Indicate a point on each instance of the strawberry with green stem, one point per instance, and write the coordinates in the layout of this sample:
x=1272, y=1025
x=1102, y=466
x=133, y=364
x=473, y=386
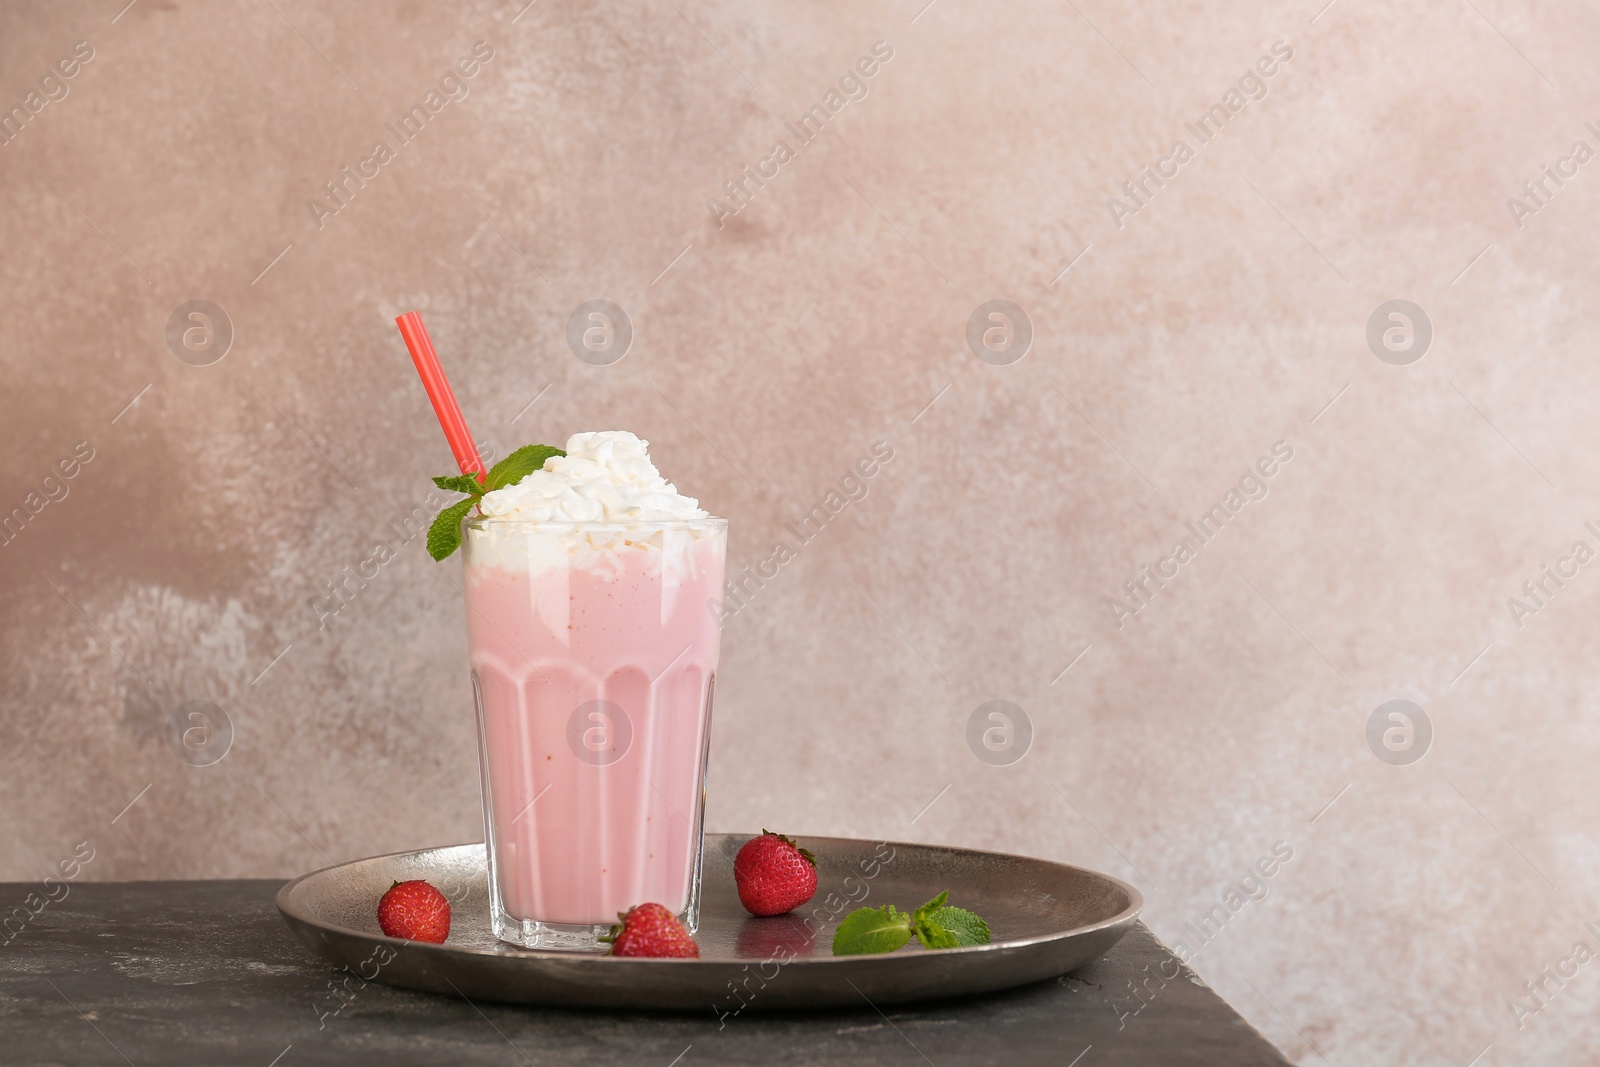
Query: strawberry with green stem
x=650, y=930
x=774, y=875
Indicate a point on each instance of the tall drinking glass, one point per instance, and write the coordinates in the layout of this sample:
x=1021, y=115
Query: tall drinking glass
x=594, y=652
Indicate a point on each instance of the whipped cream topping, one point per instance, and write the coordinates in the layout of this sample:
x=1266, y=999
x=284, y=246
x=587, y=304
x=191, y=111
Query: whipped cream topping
x=604, y=477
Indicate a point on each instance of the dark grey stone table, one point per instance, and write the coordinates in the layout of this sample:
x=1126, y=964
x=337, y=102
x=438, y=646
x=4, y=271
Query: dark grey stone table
x=148, y=973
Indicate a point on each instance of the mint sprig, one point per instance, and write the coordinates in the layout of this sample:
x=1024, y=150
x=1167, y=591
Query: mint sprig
x=460, y=483
x=866, y=931
x=517, y=466
x=869, y=931
x=964, y=926
x=444, y=536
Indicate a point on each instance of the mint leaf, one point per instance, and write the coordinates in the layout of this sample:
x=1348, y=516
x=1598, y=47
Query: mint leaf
x=867, y=931
x=460, y=483
x=930, y=907
x=961, y=925
x=939, y=926
x=521, y=463
x=932, y=935
x=444, y=536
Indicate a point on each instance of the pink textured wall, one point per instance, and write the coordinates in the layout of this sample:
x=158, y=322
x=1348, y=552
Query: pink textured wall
x=1178, y=336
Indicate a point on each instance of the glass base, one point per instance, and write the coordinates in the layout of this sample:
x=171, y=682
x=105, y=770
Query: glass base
x=571, y=937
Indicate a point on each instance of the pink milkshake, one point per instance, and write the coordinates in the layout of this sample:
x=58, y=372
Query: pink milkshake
x=593, y=658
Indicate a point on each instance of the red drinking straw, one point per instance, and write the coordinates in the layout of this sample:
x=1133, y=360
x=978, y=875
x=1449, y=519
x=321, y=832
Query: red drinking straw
x=438, y=387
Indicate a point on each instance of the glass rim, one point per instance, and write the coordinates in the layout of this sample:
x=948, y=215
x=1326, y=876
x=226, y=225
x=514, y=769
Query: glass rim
x=566, y=525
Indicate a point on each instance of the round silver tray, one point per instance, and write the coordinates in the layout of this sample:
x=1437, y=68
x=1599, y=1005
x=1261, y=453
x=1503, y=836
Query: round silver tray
x=1046, y=918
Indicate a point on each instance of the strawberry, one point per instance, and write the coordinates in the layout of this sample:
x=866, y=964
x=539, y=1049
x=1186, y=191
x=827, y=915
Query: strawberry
x=774, y=874
x=651, y=930
x=415, y=911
